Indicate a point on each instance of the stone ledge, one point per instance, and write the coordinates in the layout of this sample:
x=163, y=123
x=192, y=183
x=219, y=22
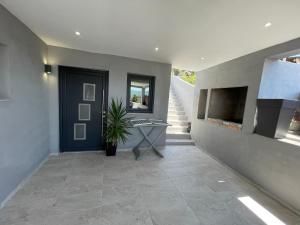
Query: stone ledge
x=226, y=124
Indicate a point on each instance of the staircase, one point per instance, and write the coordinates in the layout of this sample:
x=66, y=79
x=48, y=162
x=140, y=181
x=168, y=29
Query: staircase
x=177, y=133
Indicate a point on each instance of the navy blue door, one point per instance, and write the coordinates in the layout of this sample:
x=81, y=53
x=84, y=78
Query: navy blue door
x=83, y=103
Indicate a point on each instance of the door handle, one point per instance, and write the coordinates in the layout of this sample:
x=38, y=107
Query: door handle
x=103, y=112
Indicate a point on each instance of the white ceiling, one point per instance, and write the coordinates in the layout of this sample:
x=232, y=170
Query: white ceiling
x=184, y=30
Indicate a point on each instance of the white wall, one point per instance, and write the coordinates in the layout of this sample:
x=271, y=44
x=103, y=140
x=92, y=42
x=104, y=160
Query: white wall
x=271, y=164
x=118, y=68
x=185, y=92
x=280, y=80
x=24, y=116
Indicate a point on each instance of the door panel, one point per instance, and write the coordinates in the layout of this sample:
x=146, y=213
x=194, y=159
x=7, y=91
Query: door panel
x=83, y=98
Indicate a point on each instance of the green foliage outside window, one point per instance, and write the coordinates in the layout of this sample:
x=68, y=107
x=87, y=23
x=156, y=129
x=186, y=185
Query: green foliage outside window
x=188, y=76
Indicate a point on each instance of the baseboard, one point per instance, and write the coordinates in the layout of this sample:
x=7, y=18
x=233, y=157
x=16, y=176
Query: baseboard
x=23, y=182
x=247, y=180
x=76, y=152
x=124, y=149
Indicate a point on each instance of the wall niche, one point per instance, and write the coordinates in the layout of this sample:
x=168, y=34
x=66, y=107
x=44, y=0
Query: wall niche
x=228, y=104
x=4, y=73
x=202, y=104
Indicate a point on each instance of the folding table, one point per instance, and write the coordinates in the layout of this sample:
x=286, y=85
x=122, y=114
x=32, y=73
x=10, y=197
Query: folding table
x=153, y=124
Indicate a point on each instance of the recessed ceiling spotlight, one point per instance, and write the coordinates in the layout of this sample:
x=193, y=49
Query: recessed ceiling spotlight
x=202, y=58
x=77, y=33
x=156, y=49
x=268, y=24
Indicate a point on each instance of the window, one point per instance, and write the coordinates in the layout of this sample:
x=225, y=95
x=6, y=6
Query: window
x=140, y=93
x=89, y=91
x=79, y=131
x=84, y=111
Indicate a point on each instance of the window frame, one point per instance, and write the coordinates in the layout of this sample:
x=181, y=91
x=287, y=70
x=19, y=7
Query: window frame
x=147, y=78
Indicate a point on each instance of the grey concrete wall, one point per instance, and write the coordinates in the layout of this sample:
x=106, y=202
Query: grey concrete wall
x=4, y=75
x=271, y=164
x=185, y=92
x=24, y=114
x=280, y=80
x=118, y=68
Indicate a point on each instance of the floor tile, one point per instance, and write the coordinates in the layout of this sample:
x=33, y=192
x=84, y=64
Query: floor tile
x=186, y=187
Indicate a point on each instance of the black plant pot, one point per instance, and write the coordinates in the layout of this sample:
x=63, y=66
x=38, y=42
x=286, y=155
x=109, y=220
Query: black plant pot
x=111, y=149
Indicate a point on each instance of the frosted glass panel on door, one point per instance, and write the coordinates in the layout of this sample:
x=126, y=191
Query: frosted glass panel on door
x=89, y=91
x=79, y=131
x=84, y=112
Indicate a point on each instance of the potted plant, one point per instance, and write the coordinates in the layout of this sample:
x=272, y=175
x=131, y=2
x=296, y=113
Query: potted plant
x=118, y=124
x=134, y=98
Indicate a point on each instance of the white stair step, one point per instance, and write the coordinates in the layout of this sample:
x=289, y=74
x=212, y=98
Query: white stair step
x=173, y=99
x=178, y=135
x=177, y=117
x=175, y=112
x=179, y=108
x=175, y=103
x=177, y=129
x=178, y=122
x=179, y=142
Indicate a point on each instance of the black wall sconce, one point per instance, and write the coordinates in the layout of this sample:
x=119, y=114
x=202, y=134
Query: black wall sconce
x=48, y=68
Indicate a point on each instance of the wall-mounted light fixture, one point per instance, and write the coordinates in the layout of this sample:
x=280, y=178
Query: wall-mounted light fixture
x=48, y=69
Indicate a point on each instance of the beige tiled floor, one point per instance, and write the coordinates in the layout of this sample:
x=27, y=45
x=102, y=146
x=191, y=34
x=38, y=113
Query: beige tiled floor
x=187, y=187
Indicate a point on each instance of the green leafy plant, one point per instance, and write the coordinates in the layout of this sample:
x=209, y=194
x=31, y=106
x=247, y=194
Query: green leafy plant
x=188, y=76
x=134, y=98
x=118, y=123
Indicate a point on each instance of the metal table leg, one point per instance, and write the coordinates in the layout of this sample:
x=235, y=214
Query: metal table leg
x=146, y=137
x=152, y=142
x=136, y=150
